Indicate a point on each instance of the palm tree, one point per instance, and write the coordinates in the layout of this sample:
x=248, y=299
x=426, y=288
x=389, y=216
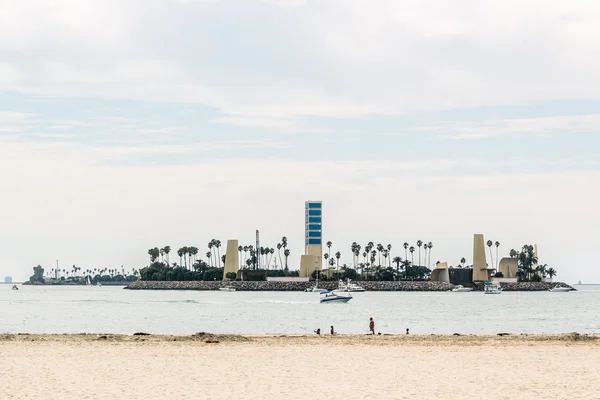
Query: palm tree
x=551, y=272
x=286, y=254
x=162, y=254
x=389, y=251
x=245, y=252
x=209, y=256
x=240, y=249
x=180, y=254
x=326, y=257
x=167, y=250
x=425, y=247
x=497, y=244
x=279, y=247
x=412, y=255
x=193, y=252
x=218, y=246
x=429, y=246
x=210, y=247
x=406, y=246
x=329, y=244
x=337, y=260
x=489, y=244
x=379, y=251
x=397, y=260
x=353, y=250
x=463, y=261
x=419, y=244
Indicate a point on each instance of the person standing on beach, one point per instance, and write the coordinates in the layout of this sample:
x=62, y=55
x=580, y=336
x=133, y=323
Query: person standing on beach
x=372, y=326
x=318, y=331
x=407, y=331
x=332, y=330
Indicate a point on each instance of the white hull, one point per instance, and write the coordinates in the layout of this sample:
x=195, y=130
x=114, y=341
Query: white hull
x=460, y=289
x=315, y=290
x=227, y=289
x=330, y=297
x=560, y=289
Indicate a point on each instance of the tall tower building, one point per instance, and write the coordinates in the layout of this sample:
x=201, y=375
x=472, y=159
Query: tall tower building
x=313, y=218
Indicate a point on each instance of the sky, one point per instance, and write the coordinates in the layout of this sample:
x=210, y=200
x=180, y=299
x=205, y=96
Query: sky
x=130, y=124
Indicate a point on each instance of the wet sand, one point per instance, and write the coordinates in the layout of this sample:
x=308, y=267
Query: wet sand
x=298, y=367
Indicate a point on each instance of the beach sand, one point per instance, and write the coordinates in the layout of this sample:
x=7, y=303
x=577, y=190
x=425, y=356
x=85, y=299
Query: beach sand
x=299, y=367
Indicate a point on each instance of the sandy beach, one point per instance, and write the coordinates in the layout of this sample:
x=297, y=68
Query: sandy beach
x=298, y=367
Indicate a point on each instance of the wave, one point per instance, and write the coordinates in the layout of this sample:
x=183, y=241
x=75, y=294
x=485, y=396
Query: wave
x=277, y=302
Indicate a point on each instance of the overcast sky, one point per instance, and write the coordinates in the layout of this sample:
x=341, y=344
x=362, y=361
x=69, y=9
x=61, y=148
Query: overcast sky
x=129, y=124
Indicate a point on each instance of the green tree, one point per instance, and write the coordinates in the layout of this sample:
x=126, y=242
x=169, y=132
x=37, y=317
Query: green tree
x=419, y=244
x=463, y=261
x=38, y=275
x=551, y=272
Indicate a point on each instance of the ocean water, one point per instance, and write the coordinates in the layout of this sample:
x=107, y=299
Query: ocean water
x=80, y=309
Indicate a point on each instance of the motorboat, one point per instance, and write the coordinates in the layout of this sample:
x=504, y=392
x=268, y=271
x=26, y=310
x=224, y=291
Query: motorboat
x=330, y=296
x=15, y=287
x=227, y=289
x=315, y=290
x=349, y=287
x=461, y=288
x=558, y=288
x=492, y=288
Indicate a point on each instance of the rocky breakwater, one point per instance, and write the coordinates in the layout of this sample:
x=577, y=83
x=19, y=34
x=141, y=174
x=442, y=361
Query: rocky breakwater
x=528, y=286
x=249, y=286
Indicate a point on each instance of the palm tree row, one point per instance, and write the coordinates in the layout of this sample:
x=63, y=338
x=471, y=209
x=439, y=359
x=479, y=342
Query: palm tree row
x=257, y=259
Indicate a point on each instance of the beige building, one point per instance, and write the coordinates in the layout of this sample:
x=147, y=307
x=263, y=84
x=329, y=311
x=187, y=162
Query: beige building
x=481, y=273
x=232, y=258
x=440, y=273
x=509, y=267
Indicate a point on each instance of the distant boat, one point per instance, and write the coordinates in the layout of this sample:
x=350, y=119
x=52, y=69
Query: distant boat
x=492, y=288
x=349, y=287
x=331, y=297
x=15, y=287
x=316, y=287
x=461, y=288
x=558, y=288
x=227, y=288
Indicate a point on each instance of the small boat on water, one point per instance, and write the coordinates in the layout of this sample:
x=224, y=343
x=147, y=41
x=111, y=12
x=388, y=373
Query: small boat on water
x=330, y=296
x=227, y=288
x=15, y=287
x=349, y=287
x=492, y=288
x=560, y=289
x=461, y=288
x=316, y=288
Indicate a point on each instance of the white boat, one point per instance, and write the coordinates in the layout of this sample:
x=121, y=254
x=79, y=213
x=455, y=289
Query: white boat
x=461, y=288
x=559, y=289
x=349, y=287
x=330, y=297
x=227, y=288
x=492, y=288
x=316, y=288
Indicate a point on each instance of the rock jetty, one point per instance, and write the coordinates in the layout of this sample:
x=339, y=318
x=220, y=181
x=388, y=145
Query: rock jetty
x=375, y=286
x=251, y=286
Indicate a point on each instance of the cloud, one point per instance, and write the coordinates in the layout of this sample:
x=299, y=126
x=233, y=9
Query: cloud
x=334, y=59
x=542, y=126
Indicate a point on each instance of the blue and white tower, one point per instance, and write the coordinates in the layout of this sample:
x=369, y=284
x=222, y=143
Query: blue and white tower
x=313, y=218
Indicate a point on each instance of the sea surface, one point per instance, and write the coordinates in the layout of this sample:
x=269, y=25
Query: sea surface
x=81, y=309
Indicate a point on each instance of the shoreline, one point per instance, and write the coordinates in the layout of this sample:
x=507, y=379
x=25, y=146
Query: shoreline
x=201, y=338
x=369, y=286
